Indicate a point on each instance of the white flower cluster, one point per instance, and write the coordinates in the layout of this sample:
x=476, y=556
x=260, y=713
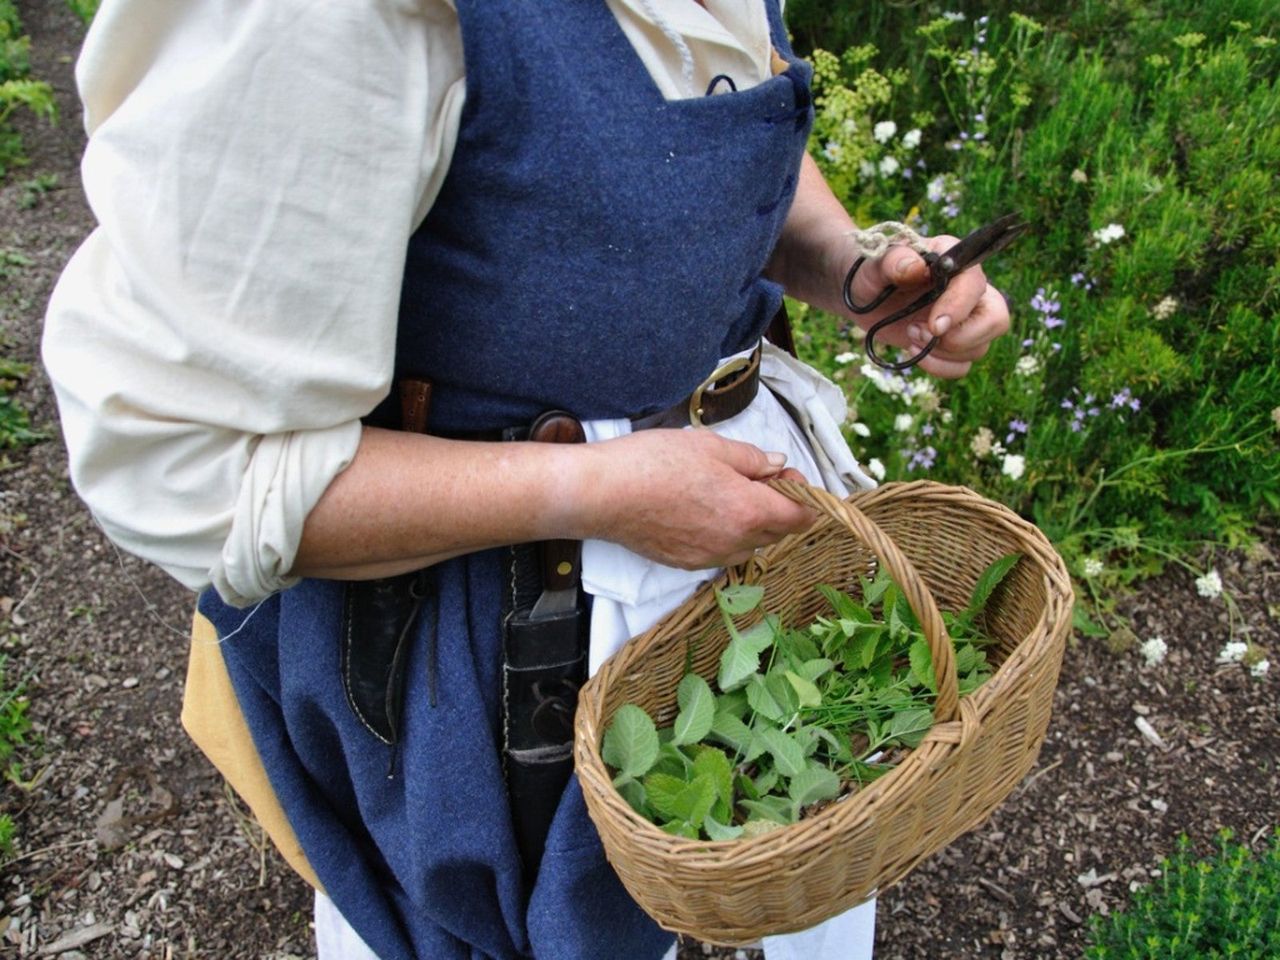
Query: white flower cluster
x=875, y=468
x=1014, y=466
x=911, y=139
x=1237, y=651
x=1026, y=365
x=846, y=358
x=884, y=131
x=1153, y=651
x=1108, y=234
x=1233, y=652
x=1210, y=585
x=1092, y=567
x=1165, y=309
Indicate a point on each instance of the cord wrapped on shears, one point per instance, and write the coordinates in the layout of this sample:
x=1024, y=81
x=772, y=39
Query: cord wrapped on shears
x=968, y=252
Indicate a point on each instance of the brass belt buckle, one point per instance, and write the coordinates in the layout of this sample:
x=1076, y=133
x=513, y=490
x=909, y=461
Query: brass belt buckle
x=695, y=399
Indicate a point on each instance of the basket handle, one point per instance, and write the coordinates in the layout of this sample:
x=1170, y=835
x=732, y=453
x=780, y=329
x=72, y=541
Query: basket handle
x=904, y=575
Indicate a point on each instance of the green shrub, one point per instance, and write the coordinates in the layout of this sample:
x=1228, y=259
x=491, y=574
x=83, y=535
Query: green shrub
x=1131, y=411
x=84, y=9
x=16, y=87
x=1225, y=906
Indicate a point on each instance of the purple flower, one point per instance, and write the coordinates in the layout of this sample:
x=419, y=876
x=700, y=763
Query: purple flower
x=1067, y=405
x=1075, y=426
x=1027, y=342
x=927, y=429
x=1120, y=399
x=1135, y=404
x=922, y=459
x=907, y=173
x=1015, y=427
x=979, y=135
x=1056, y=346
x=1051, y=323
x=951, y=211
x=1077, y=279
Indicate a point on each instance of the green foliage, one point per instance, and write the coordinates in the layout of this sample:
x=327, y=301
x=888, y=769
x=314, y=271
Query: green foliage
x=15, y=425
x=15, y=726
x=1225, y=906
x=1130, y=413
x=84, y=9
x=828, y=709
x=17, y=89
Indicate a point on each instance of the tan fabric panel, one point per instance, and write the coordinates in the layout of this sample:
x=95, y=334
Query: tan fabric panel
x=212, y=718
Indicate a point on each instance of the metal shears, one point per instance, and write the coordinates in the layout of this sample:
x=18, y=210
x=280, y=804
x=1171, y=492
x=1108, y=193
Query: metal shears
x=968, y=252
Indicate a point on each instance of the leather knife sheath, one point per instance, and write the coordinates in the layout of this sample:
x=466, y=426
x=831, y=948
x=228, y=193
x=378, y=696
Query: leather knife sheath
x=379, y=616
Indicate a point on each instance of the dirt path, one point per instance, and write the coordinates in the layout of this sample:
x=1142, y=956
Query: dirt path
x=130, y=847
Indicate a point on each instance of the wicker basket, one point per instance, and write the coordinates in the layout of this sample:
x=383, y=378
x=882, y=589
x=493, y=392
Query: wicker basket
x=935, y=541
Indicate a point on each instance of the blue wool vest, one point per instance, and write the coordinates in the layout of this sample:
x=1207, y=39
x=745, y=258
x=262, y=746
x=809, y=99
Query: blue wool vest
x=594, y=248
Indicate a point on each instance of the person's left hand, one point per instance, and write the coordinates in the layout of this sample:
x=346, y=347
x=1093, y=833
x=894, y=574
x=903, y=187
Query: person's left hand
x=968, y=316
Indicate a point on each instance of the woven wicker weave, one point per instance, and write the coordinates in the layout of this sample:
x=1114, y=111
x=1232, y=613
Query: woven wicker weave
x=935, y=540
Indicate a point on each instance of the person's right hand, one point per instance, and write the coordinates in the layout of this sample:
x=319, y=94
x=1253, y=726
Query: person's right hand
x=686, y=498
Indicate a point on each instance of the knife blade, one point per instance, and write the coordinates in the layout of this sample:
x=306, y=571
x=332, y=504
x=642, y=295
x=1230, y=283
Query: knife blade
x=560, y=560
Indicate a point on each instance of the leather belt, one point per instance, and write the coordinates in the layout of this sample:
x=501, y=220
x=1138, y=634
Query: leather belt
x=724, y=394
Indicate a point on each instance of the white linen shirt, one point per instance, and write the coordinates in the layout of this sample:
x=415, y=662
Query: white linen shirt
x=256, y=168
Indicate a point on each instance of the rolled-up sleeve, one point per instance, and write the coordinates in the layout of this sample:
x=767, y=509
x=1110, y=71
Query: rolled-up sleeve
x=256, y=169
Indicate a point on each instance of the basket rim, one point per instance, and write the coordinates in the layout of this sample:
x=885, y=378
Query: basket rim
x=936, y=748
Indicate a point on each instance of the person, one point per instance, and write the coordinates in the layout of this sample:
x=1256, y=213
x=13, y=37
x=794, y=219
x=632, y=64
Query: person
x=532, y=207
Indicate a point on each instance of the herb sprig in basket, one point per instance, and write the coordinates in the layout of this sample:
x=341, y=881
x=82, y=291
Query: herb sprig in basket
x=801, y=715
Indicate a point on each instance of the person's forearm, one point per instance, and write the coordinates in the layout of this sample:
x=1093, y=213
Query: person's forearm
x=686, y=498
x=408, y=500
x=806, y=260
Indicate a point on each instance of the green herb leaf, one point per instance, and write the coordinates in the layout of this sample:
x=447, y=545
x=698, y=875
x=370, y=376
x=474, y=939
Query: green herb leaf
x=739, y=599
x=989, y=580
x=697, y=710
x=633, y=792
x=806, y=690
x=774, y=809
x=776, y=681
x=737, y=664
x=922, y=665
x=867, y=654
x=731, y=731
x=908, y=727
x=719, y=831
x=785, y=751
x=966, y=658
x=762, y=700
x=813, y=669
x=873, y=591
x=765, y=783
x=631, y=743
x=812, y=784
x=714, y=765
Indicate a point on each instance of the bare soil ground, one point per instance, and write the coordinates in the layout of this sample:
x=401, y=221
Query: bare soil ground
x=129, y=846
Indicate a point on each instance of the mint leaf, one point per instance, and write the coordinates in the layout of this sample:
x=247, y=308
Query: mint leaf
x=695, y=801
x=774, y=809
x=719, y=831
x=713, y=764
x=731, y=731
x=631, y=743
x=737, y=663
x=812, y=784
x=813, y=669
x=663, y=792
x=806, y=690
x=786, y=752
x=908, y=727
x=697, y=710
x=679, y=828
x=988, y=581
x=739, y=599
x=922, y=665
x=762, y=700
x=633, y=792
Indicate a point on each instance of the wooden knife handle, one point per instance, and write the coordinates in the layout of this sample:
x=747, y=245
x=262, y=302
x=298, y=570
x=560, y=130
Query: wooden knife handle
x=561, y=560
